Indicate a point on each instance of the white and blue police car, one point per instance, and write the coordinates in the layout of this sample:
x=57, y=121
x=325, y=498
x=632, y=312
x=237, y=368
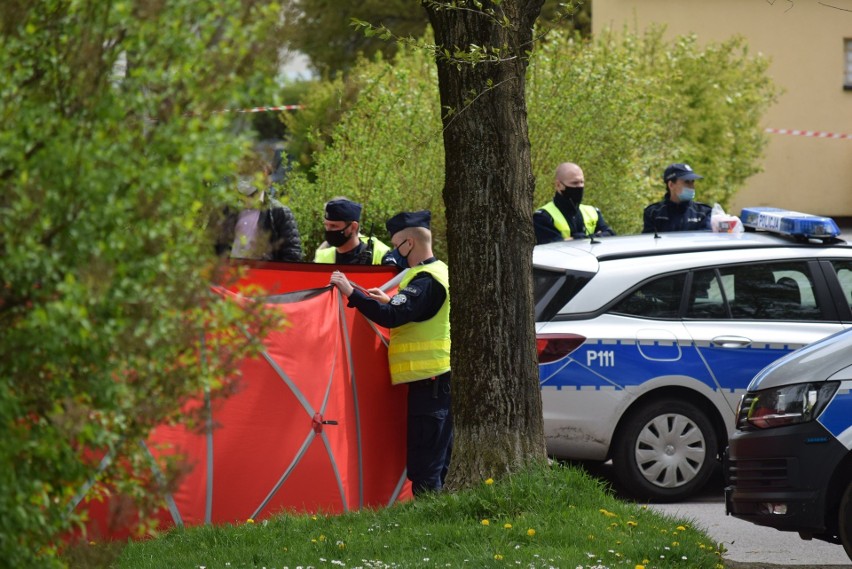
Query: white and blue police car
x=647, y=342
x=789, y=463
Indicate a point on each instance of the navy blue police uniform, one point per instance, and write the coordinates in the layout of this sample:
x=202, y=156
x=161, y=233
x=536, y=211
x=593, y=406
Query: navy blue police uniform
x=430, y=422
x=667, y=215
x=684, y=215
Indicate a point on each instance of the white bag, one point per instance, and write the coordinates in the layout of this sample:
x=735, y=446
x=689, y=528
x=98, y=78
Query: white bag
x=720, y=222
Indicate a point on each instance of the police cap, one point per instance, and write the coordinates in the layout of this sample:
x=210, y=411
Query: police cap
x=408, y=219
x=342, y=210
x=680, y=172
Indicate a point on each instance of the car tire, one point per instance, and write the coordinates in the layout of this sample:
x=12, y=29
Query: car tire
x=665, y=451
x=845, y=520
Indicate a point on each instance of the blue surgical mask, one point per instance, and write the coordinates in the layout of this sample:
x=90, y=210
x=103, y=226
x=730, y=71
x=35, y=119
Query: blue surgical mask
x=395, y=258
x=686, y=195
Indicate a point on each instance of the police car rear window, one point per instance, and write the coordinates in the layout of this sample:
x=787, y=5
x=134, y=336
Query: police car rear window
x=553, y=289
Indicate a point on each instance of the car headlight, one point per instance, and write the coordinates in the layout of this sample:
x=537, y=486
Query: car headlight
x=787, y=405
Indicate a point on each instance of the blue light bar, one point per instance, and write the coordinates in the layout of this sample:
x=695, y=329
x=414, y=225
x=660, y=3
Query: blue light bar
x=786, y=222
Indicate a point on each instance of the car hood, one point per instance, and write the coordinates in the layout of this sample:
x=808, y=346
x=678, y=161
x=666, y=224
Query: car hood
x=826, y=359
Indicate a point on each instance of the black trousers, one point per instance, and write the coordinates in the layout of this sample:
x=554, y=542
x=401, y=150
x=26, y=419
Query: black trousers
x=430, y=433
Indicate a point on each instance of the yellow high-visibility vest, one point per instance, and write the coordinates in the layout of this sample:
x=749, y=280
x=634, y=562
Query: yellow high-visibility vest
x=327, y=255
x=590, y=219
x=420, y=350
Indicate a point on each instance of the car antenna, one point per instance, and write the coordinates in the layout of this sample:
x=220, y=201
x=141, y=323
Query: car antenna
x=592, y=239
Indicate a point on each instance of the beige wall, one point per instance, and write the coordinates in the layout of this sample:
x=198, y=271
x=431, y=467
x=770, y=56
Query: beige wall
x=805, y=42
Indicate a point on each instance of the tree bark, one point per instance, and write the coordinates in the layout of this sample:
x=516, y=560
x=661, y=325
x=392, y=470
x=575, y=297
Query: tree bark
x=488, y=193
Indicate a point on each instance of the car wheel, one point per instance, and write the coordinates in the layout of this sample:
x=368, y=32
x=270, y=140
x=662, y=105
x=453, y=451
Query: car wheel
x=665, y=451
x=845, y=520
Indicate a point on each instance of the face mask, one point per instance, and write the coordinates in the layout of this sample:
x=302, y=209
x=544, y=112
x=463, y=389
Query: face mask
x=400, y=255
x=393, y=257
x=686, y=195
x=337, y=237
x=574, y=195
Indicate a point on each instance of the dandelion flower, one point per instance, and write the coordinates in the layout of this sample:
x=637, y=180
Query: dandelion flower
x=640, y=567
x=680, y=528
x=632, y=524
x=498, y=557
x=531, y=532
x=607, y=514
x=322, y=537
x=489, y=481
x=485, y=522
x=341, y=545
x=675, y=543
x=250, y=521
x=507, y=526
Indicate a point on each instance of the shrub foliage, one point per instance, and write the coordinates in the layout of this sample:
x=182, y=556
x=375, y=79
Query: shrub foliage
x=109, y=151
x=622, y=106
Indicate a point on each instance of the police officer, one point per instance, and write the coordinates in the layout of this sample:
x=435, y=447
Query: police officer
x=346, y=245
x=566, y=217
x=678, y=211
x=419, y=351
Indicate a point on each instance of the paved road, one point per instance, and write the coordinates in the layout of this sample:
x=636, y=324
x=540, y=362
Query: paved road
x=748, y=545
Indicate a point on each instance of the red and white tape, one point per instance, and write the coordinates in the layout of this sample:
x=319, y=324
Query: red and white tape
x=811, y=133
x=265, y=109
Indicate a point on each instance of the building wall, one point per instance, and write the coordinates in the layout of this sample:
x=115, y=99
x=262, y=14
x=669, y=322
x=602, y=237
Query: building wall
x=805, y=41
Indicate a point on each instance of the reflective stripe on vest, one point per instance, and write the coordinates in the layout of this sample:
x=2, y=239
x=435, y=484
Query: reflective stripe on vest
x=590, y=219
x=419, y=350
x=327, y=255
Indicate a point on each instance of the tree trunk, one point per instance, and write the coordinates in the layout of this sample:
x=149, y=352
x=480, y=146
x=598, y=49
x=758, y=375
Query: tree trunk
x=488, y=193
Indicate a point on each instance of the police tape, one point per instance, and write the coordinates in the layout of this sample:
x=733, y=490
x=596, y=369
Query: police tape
x=810, y=133
x=264, y=109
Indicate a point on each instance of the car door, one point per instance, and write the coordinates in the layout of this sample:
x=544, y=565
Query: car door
x=741, y=317
x=592, y=369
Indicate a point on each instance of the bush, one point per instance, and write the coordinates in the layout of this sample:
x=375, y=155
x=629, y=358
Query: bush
x=109, y=152
x=622, y=107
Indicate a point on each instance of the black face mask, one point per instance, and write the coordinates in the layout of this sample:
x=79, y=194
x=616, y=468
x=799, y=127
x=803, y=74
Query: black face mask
x=574, y=195
x=337, y=237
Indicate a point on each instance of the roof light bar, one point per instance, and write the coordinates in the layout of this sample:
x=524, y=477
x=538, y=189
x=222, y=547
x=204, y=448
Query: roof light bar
x=786, y=222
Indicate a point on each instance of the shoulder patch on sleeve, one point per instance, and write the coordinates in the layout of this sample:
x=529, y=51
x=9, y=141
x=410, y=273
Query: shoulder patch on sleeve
x=412, y=290
x=398, y=300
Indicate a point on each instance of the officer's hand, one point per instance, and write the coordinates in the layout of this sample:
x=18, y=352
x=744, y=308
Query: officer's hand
x=339, y=280
x=379, y=295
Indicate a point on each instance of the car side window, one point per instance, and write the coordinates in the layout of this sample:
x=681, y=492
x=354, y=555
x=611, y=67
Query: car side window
x=770, y=291
x=706, y=299
x=844, y=275
x=659, y=298
x=553, y=289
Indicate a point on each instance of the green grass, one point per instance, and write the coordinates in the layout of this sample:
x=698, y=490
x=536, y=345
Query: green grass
x=556, y=517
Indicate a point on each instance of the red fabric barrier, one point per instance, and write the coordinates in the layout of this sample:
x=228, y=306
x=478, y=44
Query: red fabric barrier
x=314, y=426
x=277, y=278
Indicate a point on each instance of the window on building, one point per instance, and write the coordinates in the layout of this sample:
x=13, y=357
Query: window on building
x=847, y=77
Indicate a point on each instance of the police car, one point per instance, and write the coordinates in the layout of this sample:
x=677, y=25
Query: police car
x=789, y=464
x=647, y=342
